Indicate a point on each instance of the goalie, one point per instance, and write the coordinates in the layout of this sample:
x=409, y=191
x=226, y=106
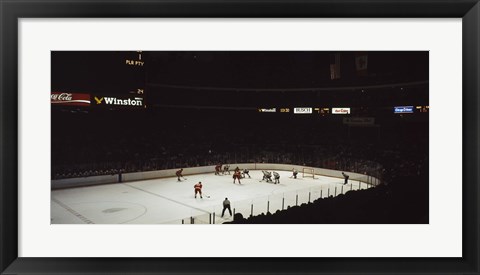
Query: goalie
x=295, y=172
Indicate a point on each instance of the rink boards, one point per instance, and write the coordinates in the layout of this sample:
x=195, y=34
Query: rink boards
x=167, y=201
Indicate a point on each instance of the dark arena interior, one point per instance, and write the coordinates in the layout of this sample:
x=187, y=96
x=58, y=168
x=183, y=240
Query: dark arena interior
x=357, y=112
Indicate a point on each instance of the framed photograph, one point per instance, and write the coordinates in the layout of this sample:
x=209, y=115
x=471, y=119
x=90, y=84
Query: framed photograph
x=199, y=137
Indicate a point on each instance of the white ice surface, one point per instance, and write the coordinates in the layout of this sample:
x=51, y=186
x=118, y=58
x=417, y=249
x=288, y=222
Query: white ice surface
x=168, y=201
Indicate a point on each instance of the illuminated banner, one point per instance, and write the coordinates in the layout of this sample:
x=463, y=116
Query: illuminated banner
x=265, y=110
x=340, y=111
x=423, y=109
x=359, y=121
x=115, y=101
x=302, y=110
x=135, y=61
x=322, y=111
x=72, y=99
x=403, y=109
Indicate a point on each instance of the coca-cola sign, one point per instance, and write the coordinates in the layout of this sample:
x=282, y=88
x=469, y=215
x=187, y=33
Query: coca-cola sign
x=74, y=99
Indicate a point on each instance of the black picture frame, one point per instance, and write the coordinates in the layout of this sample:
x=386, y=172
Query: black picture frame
x=11, y=11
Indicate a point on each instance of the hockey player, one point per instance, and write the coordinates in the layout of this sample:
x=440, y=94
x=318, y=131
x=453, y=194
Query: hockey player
x=218, y=168
x=236, y=176
x=246, y=172
x=267, y=176
x=226, y=169
x=198, y=189
x=264, y=175
x=345, y=176
x=295, y=172
x=276, y=177
x=179, y=174
x=237, y=169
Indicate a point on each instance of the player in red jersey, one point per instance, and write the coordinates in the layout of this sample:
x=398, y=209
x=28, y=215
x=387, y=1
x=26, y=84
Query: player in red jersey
x=218, y=168
x=179, y=174
x=198, y=189
x=236, y=176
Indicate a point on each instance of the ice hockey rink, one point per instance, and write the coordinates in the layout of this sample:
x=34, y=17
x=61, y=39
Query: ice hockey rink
x=168, y=201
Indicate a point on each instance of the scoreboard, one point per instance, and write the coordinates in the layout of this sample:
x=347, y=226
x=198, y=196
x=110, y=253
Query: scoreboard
x=112, y=79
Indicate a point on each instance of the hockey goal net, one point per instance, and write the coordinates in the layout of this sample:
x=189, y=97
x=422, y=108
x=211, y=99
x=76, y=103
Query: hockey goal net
x=308, y=173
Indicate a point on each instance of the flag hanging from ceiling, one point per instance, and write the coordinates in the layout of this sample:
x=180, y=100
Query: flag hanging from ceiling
x=361, y=63
x=335, y=66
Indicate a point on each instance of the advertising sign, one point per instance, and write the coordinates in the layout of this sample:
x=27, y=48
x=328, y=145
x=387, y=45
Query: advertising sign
x=71, y=99
x=340, y=111
x=302, y=110
x=117, y=101
x=267, y=110
x=403, y=109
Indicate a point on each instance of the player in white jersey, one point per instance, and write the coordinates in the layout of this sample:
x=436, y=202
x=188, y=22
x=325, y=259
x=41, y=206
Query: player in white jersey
x=267, y=176
x=276, y=177
x=226, y=169
x=246, y=172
